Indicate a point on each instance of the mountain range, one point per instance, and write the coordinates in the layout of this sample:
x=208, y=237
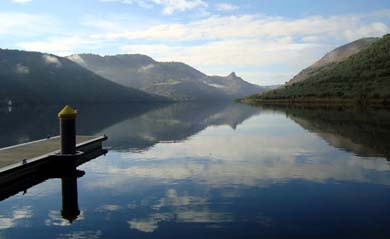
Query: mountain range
x=37, y=78
x=358, y=72
x=174, y=80
x=40, y=78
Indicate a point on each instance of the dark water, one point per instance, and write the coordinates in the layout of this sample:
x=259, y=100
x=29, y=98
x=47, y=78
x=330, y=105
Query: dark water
x=210, y=171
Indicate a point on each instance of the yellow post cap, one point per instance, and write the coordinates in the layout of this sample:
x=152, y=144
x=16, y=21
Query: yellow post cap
x=67, y=113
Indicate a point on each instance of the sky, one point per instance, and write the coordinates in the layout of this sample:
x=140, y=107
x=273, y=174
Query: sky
x=265, y=42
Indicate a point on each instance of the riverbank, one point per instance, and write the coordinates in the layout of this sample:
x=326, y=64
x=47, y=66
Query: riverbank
x=320, y=101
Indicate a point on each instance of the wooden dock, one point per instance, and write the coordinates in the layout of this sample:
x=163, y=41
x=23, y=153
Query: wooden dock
x=28, y=151
x=25, y=165
x=19, y=160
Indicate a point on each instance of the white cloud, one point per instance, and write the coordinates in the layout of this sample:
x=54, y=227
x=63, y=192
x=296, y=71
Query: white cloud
x=149, y=224
x=311, y=39
x=22, y=69
x=203, y=216
x=227, y=160
x=183, y=209
x=169, y=6
x=62, y=46
x=18, y=214
x=141, y=3
x=265, y=77
x=225, y=7
x=372, y=29
x=146, y=68
x=251, y=40
x=232, y=41
x=21, y=1
x=109, y=208
x=49, y=59
x=254, y=26
x=101, y=24
x=77, y=59
x=81, y=235
x=172, y=199
x=55, y=219
x=22, y=24
x=232, y=53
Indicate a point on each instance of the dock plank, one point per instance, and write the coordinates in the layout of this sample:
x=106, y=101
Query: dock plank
x=16, y=154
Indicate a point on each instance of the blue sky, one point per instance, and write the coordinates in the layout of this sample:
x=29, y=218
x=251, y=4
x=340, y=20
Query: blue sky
x=265, y=41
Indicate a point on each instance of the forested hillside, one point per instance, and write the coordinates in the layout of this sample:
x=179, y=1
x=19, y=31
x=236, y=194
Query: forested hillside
x=37, y=78
x=363, y=76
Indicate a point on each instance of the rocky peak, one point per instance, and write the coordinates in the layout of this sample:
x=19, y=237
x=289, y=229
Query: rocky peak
x=232, y=75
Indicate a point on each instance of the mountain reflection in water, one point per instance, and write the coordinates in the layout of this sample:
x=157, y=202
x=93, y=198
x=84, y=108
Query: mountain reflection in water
x=365, y=133
x=139, y=126
x=190, y=170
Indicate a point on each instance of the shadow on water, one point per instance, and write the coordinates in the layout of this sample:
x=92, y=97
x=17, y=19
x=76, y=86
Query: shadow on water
x=135, y=126
x=20, y=124
x=365, y=133
x=70, y=209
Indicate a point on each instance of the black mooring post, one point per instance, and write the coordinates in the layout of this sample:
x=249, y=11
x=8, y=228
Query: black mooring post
x=70, y=207
x=67, y=118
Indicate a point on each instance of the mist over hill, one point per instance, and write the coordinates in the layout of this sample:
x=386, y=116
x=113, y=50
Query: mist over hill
x=37, y=78
x=174, y=80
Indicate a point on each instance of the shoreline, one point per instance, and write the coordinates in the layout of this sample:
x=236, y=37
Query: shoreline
x=315, y=101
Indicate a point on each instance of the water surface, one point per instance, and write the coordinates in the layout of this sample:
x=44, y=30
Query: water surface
x=225, y=170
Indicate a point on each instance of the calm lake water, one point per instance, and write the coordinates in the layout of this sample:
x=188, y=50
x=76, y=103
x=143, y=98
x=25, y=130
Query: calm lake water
x=209, y=171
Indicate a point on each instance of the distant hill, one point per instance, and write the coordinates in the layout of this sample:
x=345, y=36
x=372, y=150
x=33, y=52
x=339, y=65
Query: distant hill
x=174, y=80
x=37, y=78
x=361, y=77
x=337, y=55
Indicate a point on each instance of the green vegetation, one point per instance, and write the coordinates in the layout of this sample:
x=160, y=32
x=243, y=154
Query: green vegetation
x=172, y=82
x=36, y=78
x=363, y=77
